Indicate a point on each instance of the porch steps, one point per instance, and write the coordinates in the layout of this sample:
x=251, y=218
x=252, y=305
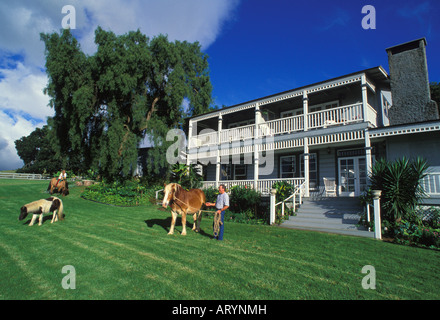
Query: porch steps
x=333, y=215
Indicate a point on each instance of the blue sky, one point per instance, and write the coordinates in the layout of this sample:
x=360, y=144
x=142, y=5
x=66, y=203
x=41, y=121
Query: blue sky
x=256, y=47
x=267, y=49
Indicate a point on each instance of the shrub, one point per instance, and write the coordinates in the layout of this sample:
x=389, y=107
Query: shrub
x=187, y=176
x=400, y=184
x=129, y=193
x=245, y=204
x=211, y=194
x=410, y=233
x=284, y=190
x=244, y=199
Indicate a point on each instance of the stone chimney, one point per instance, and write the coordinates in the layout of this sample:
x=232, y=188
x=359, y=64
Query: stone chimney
x=410, y=84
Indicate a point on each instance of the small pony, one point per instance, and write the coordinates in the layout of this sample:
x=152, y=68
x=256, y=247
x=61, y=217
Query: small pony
x=62, y=187
x=52, y=204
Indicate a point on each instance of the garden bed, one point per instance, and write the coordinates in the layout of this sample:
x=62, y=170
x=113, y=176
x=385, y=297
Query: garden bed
x=118, y=194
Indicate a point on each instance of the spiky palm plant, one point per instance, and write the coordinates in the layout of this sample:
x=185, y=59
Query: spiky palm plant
x=400, y=184
x=187, y=176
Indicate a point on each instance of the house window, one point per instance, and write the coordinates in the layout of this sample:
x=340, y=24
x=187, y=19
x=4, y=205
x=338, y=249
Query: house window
x=324, y=106
x=313, y=169
x=241, y=123
x=287, y=114
x=225, y=173
x=239, y=172
x=291, y=113
x=287, y=166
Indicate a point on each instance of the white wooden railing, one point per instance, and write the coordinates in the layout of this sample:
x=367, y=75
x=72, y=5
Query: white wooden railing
x=283, y=125
x=341, y=115
x=263, y=185
x=236, y=134
x=320, y=119
x=28, y=176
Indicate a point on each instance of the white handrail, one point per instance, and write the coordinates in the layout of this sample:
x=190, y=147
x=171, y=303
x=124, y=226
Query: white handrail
x=298, y=190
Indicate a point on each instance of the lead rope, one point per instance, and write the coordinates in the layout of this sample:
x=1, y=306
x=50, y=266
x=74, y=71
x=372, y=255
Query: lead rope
x=217, y=223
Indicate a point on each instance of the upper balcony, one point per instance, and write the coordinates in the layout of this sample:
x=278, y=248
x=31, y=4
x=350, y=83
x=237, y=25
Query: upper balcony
x=358, y=98
x=343, y=115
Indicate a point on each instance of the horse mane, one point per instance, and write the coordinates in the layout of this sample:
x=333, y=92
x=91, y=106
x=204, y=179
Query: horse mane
x=178, y=189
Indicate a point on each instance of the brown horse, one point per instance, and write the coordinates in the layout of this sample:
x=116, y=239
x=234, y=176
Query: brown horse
x=62, y=187
x=183, y=202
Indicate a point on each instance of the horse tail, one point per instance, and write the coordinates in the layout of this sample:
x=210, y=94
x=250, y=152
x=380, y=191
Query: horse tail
x=60, y=210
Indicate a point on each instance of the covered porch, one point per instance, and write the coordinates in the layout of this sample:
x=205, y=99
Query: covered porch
x=329, y=165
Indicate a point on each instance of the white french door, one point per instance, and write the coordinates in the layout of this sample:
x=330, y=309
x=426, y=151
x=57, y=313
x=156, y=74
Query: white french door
x=352, y=176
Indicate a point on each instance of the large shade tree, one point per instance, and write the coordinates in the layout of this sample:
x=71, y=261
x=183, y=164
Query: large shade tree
x=37, y=152
x=133, y=86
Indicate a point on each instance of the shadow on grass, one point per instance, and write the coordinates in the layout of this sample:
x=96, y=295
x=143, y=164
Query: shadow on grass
x=45, y=218
x=166, y=225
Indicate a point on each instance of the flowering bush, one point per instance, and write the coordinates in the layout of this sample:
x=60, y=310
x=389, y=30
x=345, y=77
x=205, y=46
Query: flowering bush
x=410, y=233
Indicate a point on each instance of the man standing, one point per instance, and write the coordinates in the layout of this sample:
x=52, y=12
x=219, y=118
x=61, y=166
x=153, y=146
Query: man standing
x=221, y=205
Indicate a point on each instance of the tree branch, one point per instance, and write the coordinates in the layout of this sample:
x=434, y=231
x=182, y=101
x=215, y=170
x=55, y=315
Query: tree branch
x=150, y=113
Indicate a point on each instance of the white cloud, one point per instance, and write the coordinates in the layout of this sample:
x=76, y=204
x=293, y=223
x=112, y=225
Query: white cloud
x=13, y=127
x=21, y=92
x=23, y=106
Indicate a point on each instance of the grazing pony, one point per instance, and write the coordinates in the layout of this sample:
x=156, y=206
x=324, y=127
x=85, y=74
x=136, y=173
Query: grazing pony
x=183, y=202
x=41, y=206
x=62, y=186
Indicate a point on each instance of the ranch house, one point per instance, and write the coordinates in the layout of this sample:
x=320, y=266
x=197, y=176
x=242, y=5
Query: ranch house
x=324, y=137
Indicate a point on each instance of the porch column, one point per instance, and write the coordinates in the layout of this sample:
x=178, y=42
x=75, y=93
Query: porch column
x=306, y=167
x=368, y=157
x=364, y=97
x=256, y=137
x=190, y=128
x=305, y=110
x=218, y=164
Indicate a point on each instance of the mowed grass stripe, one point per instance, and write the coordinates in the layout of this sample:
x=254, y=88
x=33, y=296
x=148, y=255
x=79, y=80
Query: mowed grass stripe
x=126, y=271
x=185, y=265
x=240, y=264
x=151, y=262
x=35, y=275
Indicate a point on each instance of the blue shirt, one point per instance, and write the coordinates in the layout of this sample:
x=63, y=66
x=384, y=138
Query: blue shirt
x=222, y=200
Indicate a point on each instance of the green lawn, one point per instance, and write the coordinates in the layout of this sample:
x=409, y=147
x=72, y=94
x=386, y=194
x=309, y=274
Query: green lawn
x=126, y=253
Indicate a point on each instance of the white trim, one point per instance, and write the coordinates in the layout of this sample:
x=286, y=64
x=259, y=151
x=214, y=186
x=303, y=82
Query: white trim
x=405, y=129
x=284, y=96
